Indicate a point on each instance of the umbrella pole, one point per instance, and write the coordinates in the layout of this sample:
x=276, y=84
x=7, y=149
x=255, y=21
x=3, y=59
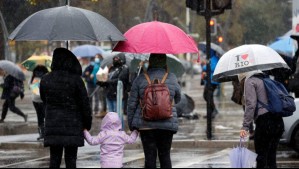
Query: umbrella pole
x=67, y=44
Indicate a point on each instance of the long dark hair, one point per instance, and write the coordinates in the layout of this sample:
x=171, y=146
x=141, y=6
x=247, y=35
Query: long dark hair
x=158, y=61
x=39, y=71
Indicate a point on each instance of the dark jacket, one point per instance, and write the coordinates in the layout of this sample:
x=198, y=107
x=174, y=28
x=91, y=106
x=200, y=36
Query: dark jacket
x=87, y=76
x=67, y=105
x=115, y=74
x=7, y=87
x=135, y=119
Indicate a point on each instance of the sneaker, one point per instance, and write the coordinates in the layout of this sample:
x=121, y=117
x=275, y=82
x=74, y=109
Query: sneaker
x=26, y=118
x=214, y=114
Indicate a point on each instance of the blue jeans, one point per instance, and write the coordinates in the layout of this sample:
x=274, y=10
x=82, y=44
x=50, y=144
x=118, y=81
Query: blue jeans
x=112, y=105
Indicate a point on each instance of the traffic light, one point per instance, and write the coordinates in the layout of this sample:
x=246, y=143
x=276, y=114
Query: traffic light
x=213, y=26
x=196, y=5
x=221, y=5
x=220, y=39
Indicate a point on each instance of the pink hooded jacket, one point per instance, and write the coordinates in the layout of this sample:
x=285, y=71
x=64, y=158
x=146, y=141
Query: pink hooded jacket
x=112, y=141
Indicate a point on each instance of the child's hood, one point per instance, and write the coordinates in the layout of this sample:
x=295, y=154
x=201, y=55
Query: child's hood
x=111, y=122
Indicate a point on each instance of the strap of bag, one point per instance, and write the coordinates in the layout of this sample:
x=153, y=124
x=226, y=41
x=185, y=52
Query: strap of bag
x=165, y=77
x=147, y=78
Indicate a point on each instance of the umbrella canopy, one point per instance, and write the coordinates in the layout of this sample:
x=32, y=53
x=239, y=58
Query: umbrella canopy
x=157, y=37
x=174, y=64
x=87, y=51
x=108, y=60
x=284, y=46
x=66, y=23
x=12, y=69
x=241, y=157
x=216, y=48
x=33, y=61
x=247, y=58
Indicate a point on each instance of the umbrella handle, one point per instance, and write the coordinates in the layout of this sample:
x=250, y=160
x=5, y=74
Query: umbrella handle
x=242, y=141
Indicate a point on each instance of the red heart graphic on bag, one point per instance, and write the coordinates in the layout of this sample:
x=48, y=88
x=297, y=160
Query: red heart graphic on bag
x=244, y=57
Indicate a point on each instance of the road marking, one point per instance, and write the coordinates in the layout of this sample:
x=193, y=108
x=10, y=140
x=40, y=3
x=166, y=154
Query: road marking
x=194, y=161
x=24, y=162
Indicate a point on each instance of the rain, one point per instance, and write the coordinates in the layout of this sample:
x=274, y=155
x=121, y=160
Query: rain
x=149, y=84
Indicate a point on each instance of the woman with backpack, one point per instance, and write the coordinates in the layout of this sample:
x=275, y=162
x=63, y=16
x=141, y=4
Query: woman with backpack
x=156, y=132
x=269, y=126
x=10, y=94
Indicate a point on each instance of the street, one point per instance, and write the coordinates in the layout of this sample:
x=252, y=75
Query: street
x=19, y=148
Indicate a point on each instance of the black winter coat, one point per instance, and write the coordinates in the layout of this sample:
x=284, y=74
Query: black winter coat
x=115, y=75
x=67, y=105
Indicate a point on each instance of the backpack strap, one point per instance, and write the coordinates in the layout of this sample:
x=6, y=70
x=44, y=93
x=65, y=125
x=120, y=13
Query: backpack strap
x=147, y=78
x=165, y=77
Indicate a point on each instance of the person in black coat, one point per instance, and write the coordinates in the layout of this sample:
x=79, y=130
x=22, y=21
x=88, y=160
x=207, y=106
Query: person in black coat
x=38, y=72
x=67, y=108
x=118, y=72
x=10, y=96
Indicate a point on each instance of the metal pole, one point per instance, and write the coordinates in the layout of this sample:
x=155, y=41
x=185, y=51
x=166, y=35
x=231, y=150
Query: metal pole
x=208, y=16
x=5, y=37
x=119, y=104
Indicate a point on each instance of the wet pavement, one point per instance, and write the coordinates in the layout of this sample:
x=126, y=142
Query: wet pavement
x=19, y=148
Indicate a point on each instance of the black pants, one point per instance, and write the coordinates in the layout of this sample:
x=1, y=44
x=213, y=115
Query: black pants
x=11, y=105
x=157, y=142
x=209, y=95
x=70, y=156
x=269, y=129
x=40, y=112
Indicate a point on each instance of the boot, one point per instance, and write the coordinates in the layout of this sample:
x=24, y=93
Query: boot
x=41, y=133
x=26, y=118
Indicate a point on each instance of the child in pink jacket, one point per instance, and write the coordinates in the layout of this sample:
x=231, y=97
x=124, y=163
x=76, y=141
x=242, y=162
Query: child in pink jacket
x=112, y=141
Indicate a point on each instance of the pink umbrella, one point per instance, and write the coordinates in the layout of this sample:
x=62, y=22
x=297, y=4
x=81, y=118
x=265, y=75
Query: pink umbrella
x=157, y=37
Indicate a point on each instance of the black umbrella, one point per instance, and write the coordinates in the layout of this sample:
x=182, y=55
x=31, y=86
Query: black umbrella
x=12, y=69
x=66, y=23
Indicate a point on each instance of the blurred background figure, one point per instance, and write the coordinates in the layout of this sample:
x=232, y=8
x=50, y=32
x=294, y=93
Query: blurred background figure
x=209, y=91
x=89, y=76
x=119, y=71
x=38, y=72
x=99, y=92
x=12, y=89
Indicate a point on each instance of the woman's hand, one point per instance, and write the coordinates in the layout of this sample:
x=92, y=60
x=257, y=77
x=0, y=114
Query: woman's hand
x=243, y=133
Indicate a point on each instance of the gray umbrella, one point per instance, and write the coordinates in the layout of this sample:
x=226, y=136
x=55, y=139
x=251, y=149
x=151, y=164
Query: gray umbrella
x=66, y=23
x=216, y=48
x=12, y=69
